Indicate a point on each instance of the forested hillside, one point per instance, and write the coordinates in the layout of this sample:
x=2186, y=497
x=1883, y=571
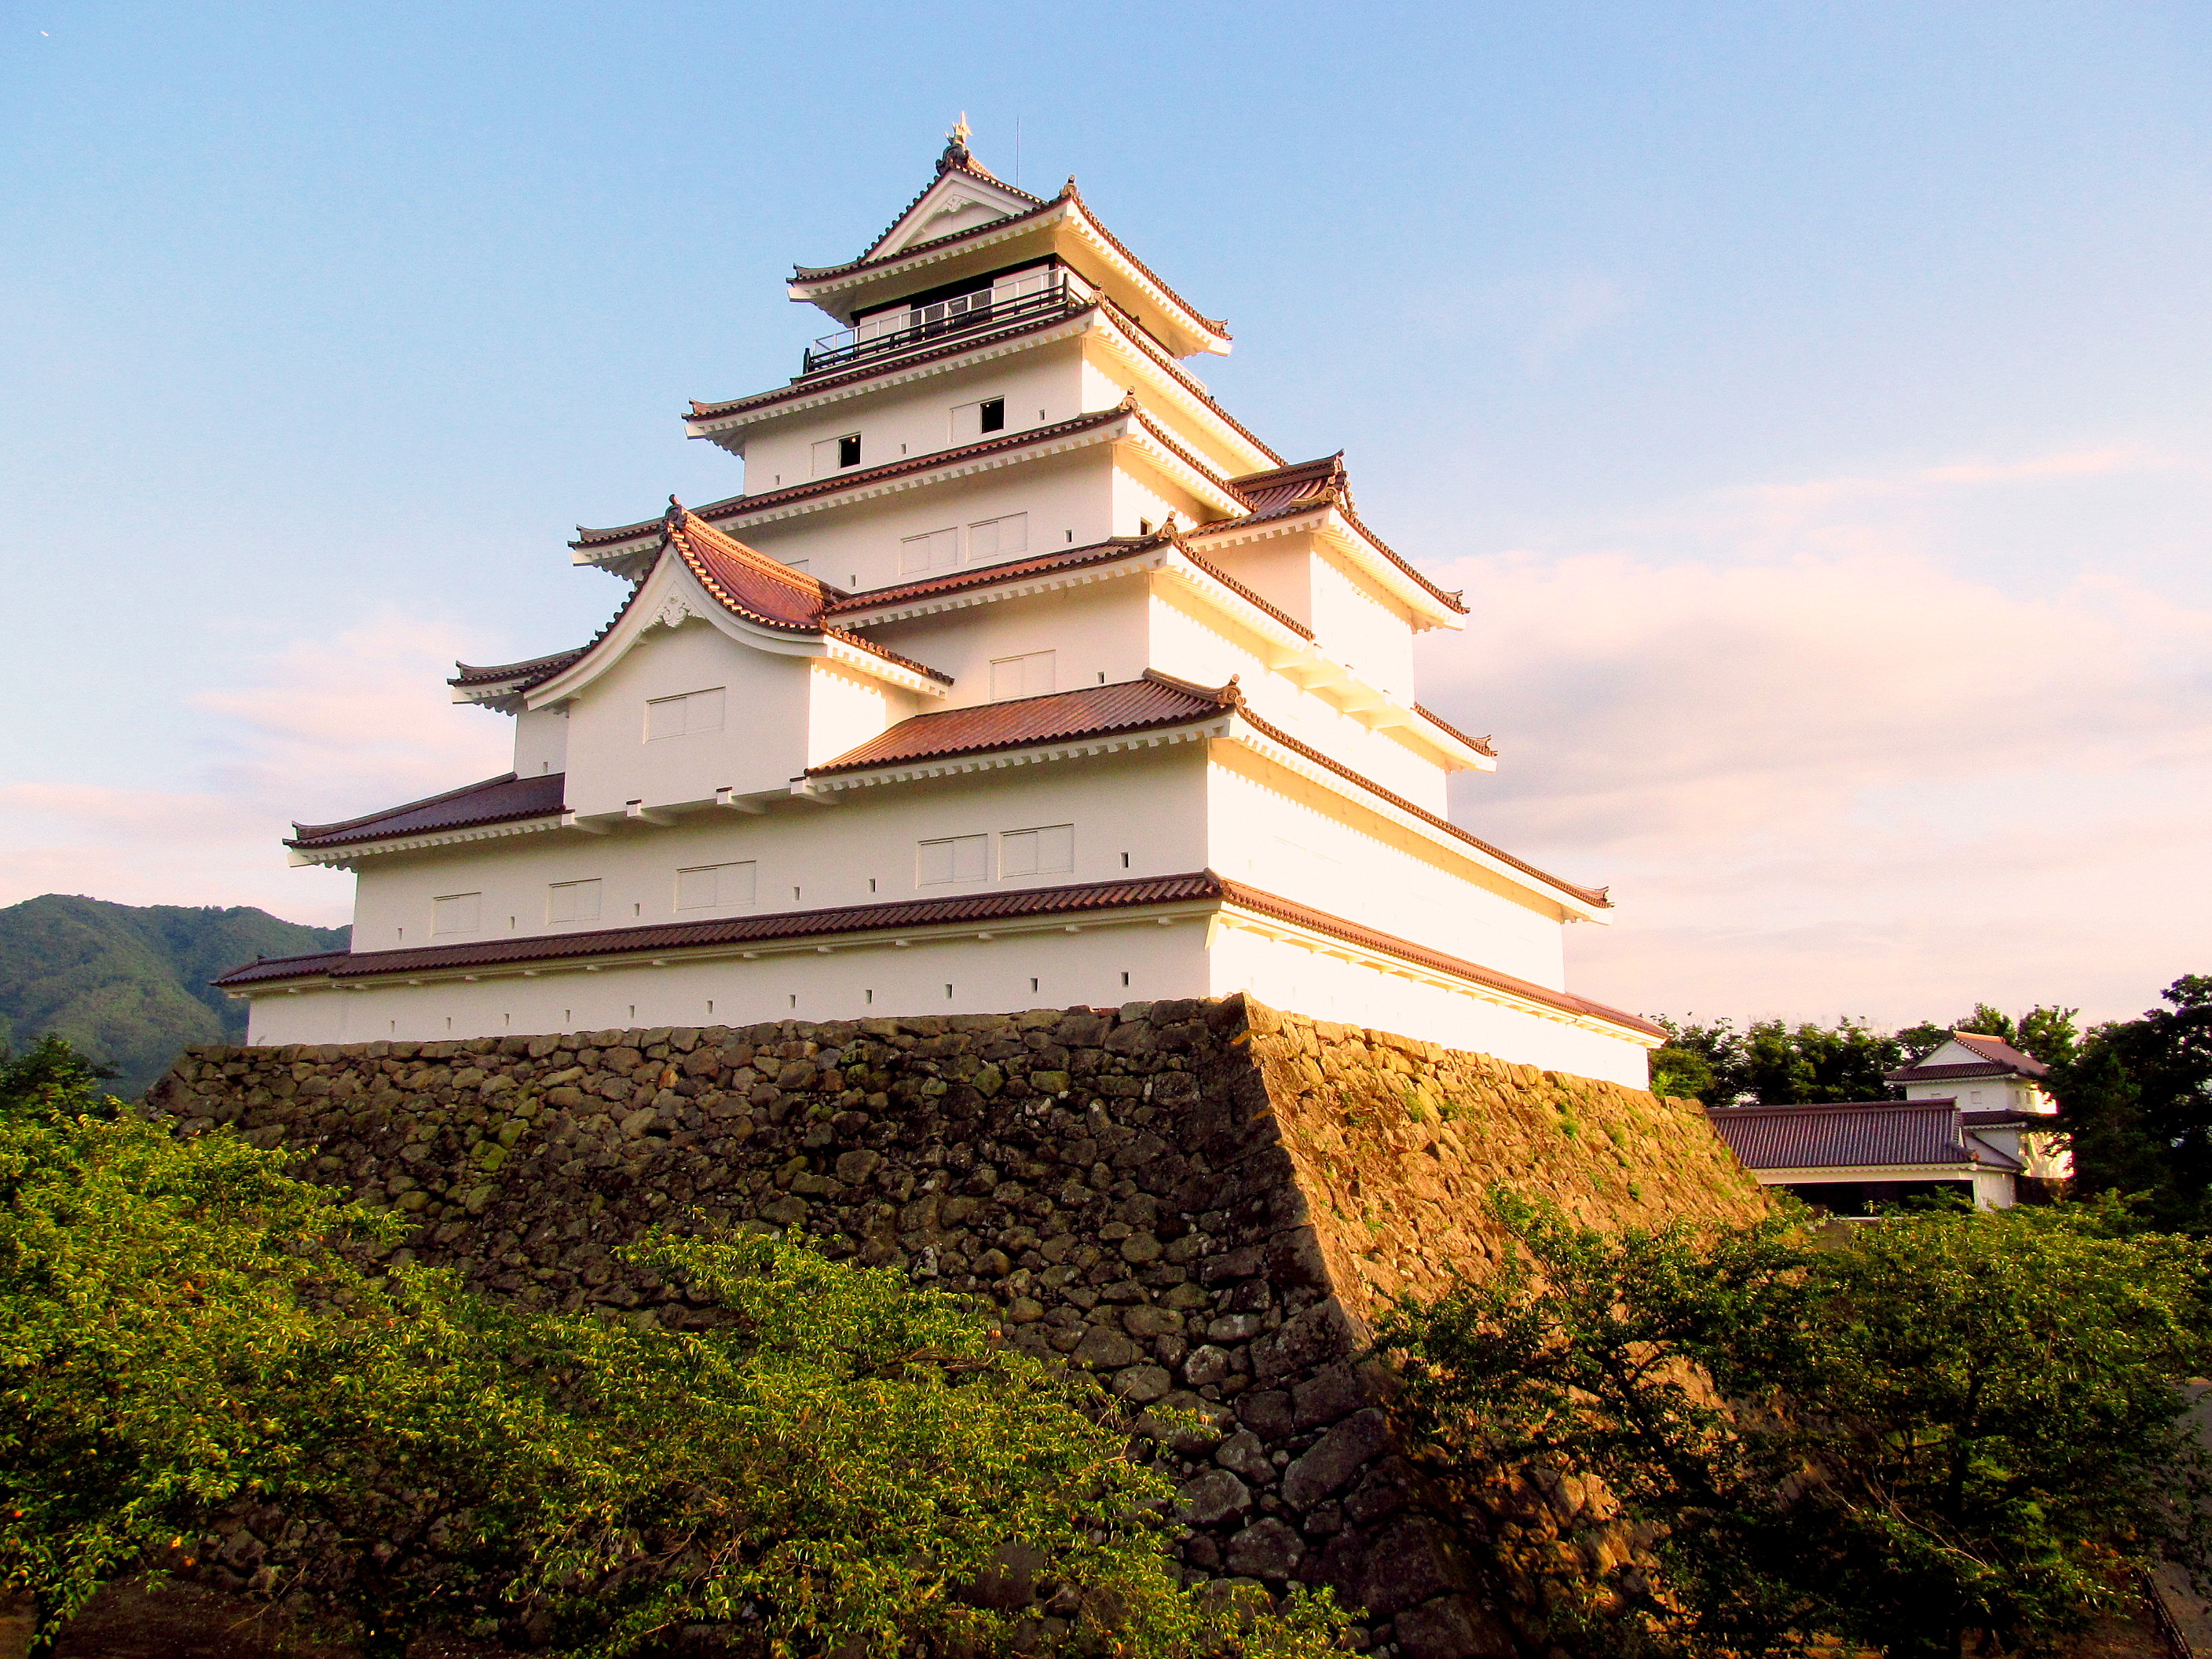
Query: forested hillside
x=128, y=984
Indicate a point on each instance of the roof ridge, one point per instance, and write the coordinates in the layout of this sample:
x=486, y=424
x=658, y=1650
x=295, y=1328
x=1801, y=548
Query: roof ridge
x=313, y=831
x=735, y=507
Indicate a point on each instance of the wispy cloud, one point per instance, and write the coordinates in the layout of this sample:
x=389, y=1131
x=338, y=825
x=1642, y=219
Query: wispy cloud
x=323, y=729
x=1848, y=778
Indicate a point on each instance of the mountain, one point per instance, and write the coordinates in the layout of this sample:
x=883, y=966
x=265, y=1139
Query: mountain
x=128, y=983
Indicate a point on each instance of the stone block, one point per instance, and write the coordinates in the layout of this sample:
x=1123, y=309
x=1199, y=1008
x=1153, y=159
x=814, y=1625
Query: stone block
x=1335, y=1458
x=1215, y=1496
x=1266, y=1549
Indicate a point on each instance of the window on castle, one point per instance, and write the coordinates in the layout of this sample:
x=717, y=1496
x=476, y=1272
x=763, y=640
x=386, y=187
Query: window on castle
x=835, y=454
x=1027, y=676
x=1037, y=852
x=998, y=539
x=716, y=886
x=957, y=858
x=937, y=549
x=684, y=716
x=572, y=901
x=971, y=421
x=456, y=913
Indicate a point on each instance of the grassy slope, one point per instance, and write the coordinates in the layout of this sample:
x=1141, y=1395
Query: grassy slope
x=128, y=984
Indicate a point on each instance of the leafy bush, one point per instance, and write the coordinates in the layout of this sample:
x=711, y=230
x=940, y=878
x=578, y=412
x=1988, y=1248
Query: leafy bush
x=836, y=1458
x=1951, y=1422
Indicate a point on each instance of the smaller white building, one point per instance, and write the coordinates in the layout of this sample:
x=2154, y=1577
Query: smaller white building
x=1975, y=1121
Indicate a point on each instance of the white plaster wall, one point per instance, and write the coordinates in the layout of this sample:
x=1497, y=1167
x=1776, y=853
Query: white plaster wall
x=1094, y=630
x=541, y=741
x=1372, y=636
x=1149, y=805
x=1286, y=835
x=762, y=744
x=1068, y=498
x=1040, y=386
x=1280, y=571
x=1187, y=641
x=1102, y=966
x=1144, y=497
x=846, y=708
x=1291, y=976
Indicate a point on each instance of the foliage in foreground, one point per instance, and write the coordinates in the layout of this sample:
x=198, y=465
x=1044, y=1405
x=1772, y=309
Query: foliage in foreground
x=837, y=1459
x=1955, y=1422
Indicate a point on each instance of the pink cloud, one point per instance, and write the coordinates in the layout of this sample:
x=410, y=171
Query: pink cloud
x=1850, y=781
x=323, y=729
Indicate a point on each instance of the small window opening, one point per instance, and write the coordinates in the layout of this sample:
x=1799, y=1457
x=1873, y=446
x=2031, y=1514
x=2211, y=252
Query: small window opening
x=872, y=884
x=868, y=995
x=710, y=1005
x=402, y=933
x=1070, y=534
x=993, y=414
x=1040, y=414
x=510, y=921
x=637, y=909
x=567, y=1016
x=948, y=997
x=1033, y=982
x=848, y=450
x=795, y=892
x=795, y=998
x=1125, y=860
x=633, y=1011
x=449, y=1022
x=1101, y=677
x=1125, y=977
x=1144, y=527
x=393, y=1026
x=506, y=1019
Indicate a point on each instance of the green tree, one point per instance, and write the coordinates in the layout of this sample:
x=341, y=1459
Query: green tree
x=1774, y=1063
x=2136, y=1099
x=1955, y=1422
x=836, y=1458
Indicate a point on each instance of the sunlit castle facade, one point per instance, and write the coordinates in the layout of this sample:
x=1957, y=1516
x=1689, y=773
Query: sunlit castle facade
x=1020, y=675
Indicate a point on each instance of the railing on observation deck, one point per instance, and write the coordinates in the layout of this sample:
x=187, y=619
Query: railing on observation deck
x=1027, y=299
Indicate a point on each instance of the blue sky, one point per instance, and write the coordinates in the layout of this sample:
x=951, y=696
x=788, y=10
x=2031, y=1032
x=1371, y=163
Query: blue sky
x=1812, y=398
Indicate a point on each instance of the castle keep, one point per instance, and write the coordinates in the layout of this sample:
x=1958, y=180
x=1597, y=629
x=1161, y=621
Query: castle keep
x=1019, y=673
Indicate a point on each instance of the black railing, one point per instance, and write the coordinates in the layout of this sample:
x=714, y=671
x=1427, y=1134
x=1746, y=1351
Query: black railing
x=968, y=314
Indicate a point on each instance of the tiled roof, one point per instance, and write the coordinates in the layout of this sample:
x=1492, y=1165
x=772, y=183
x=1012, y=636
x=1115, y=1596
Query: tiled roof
x=1008, y=905
x=1094, y=711
x=534, y=668
x=1998, y=1059
x=791, y=924
x=1068, y=195
x=749, y=583
x=807, y=385
x=989, y=575
x=496, y=800
x=738, y=505
x=1480, y=745
x=974, y=170
x=1307, y=486
x=1852, y=1135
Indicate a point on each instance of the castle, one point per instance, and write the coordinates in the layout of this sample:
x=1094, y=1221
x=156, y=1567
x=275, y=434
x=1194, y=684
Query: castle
x=1021, y=674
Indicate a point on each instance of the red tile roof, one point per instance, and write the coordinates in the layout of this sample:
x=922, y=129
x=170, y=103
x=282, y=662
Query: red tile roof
x=1480, y=745
x=1864, y=1135
x=1068, y=195
x=989, y=575
x=495, y=801
x=1305, y=487
x=1095, y=711
x=534, y=668
x=1998, y=1059
x=1008, y=905
x=738, y=505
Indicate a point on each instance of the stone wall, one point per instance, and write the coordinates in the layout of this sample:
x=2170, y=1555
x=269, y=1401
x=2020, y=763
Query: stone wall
x=1203, y=1202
